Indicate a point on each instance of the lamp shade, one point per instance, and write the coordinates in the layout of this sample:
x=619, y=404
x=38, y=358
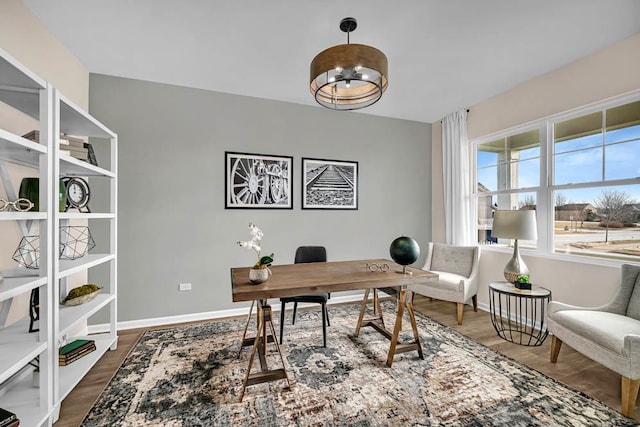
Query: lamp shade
x=515, y=225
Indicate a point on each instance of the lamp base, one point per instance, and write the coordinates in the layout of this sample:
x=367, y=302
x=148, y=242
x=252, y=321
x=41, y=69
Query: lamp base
x=516, y=266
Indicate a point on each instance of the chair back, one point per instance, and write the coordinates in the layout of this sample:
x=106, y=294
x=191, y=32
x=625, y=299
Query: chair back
x=306, y=254
x=459, y=260
x=631, y=286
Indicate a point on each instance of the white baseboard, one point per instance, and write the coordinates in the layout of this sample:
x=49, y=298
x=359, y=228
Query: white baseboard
x=210, y=315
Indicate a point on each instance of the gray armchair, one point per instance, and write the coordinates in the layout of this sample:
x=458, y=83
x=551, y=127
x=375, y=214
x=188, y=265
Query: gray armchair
x=457, y=268
x=609, y=334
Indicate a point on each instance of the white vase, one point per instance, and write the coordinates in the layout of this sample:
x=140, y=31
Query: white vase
x=258, y=275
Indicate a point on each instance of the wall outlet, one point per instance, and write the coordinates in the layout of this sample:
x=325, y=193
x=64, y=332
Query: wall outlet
x=184, y=287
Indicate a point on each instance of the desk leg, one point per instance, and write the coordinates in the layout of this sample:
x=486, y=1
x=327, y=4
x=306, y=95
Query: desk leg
x=404, y=299
x=262, y=338
x=396, y=330
x=363, y=307
x=414, y=326
x=246, y=326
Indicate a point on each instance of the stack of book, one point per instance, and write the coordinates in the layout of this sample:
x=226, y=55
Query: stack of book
x=8, y=419
x=70, y=146
x=74, y=351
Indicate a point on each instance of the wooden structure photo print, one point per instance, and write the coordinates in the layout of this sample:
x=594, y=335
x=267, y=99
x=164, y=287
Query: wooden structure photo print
x=258, y=181
x=329, y=184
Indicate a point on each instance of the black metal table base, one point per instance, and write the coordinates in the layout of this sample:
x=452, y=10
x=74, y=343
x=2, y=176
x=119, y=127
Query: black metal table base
x=519, y=316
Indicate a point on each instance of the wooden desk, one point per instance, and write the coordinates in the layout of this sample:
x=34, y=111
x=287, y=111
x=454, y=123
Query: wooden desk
x=323, y=277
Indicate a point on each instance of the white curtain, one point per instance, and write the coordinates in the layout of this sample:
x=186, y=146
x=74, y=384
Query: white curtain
x=457, y=176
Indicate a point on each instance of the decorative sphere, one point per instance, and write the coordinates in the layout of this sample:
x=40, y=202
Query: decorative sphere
x=404, y=250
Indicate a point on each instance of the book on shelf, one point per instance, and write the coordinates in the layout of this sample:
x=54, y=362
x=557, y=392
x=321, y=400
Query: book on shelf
x=65, y=143
x=34, y=135
x=75, y=154
x=74, y=347
x=64, y=361
x=7, y=418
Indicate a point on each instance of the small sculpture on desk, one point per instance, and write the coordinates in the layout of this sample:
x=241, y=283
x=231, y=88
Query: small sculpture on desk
x=404, y=250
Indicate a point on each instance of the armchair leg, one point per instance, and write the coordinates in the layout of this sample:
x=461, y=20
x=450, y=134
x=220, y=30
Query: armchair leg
x=475, y=302
x=629, y=396
x=460, y=312
x=556, y=343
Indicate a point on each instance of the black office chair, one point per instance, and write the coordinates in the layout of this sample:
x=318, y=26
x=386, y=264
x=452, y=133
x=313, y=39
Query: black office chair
x=308, y=254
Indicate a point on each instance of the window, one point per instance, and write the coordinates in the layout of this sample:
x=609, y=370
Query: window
x=588, y=197
x=508, y=172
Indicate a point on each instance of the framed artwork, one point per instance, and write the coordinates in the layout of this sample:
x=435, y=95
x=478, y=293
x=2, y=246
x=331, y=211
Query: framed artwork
x=258, y=181
x=329, y=184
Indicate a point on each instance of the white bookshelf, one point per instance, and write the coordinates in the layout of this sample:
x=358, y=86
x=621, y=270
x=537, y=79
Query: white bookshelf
x=39, y=404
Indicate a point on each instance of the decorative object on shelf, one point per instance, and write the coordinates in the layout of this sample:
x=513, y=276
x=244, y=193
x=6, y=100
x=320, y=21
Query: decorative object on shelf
x=522, y=282
x=404, y=250
x=378, y=267
x=75, y=241
x=28, y=252
x=91, y=155
x=515, y=225
x=78, y=194
x=75, y=350
x=20, y=205
x=329, y=184
x=258, y=181
x=260, y=271
x=30, y=189
x=81, y=294
x=34, y=310
x=348, y=76
x=8, y=419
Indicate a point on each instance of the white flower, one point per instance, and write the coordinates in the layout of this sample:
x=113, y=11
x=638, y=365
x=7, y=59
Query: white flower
x=254, y=245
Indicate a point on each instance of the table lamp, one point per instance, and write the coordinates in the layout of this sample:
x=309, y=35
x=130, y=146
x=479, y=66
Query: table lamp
x=515, y=225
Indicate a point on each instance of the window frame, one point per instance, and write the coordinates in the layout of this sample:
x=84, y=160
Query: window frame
x=546, y=190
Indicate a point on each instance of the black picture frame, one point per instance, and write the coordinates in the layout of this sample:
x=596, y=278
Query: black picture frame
x=258, y=181
x=329, y=184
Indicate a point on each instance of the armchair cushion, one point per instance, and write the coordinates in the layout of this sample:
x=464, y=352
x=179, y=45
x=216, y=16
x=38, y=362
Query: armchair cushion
x=598, y=327
x=449, y=281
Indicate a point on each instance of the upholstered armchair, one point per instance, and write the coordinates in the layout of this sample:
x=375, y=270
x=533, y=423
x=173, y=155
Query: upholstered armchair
x=609, y=334
x=457, y=268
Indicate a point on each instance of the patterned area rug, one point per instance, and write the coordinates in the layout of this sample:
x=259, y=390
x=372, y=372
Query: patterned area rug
x=192, y=376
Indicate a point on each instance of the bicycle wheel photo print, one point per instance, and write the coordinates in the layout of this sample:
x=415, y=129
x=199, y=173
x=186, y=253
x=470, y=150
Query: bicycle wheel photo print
x=258, y=181
x=329, y=184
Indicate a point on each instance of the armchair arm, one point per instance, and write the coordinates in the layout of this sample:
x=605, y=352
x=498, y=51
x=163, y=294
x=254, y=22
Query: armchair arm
x=631, y=349
x=555, y=306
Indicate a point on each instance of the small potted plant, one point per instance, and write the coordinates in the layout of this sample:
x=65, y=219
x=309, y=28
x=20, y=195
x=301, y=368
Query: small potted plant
x=260, y=271
x=522, y=282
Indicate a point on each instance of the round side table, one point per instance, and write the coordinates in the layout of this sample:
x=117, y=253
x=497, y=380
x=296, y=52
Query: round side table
x=518, y=315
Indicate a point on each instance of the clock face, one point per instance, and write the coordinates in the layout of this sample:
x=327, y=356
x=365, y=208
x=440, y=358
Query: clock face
x=77, y=193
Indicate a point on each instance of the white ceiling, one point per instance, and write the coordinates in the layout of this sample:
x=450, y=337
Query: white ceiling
x=443, y=54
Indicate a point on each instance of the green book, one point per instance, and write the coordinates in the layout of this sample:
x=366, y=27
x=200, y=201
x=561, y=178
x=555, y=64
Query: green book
x=74, y=345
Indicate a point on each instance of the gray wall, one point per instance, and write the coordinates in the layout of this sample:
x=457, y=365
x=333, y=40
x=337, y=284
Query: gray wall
x=173, y=226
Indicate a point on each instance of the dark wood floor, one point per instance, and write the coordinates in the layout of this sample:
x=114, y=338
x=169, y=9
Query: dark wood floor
x=572, y=368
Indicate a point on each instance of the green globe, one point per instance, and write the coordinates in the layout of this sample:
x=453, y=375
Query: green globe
x=404, y=250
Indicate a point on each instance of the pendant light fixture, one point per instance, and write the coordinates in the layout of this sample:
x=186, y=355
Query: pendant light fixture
x=348, y=76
